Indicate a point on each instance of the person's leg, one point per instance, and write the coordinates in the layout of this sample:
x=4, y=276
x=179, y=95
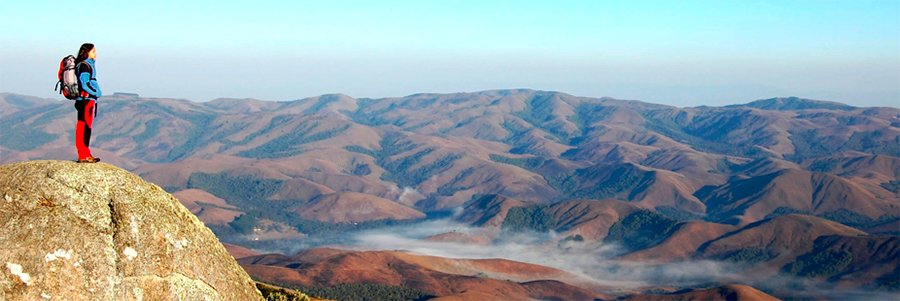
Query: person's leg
x=80, y=125
x=90, y=112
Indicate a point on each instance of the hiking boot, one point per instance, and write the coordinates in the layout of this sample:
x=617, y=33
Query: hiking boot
x=90, y=159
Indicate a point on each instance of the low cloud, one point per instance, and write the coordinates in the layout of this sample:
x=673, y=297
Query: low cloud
x=408, y=196
x=591, y=261
x=594, y=261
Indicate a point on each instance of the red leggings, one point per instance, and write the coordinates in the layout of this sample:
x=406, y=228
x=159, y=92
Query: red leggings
x=87, y=109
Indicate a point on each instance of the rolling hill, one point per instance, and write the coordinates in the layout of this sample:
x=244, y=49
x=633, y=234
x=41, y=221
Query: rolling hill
x=535, y=146
x=433, y=276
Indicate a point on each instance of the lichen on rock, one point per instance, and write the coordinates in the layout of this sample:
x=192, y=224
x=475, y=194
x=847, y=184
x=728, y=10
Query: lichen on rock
x=97, y=232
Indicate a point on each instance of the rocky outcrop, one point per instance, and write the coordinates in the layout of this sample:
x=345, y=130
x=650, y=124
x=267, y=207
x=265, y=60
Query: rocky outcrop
x=73, y=231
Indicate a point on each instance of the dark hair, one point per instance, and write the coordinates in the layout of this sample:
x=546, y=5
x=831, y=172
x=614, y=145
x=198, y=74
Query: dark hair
x=83, y=51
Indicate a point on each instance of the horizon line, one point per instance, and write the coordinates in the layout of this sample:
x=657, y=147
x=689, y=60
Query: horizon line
x=137, y=95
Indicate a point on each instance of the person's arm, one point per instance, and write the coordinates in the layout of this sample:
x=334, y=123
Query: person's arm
x=87, y=84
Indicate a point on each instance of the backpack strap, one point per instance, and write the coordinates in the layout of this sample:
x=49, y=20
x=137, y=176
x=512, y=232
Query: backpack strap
x=78, y=66
x=78, y=71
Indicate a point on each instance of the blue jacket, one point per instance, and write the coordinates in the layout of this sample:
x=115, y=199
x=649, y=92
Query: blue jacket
x=87, y=79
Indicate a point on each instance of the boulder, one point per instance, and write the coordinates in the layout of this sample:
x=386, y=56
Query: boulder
x=73, y=231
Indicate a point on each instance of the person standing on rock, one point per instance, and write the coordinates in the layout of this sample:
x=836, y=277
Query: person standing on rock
x=86, y=103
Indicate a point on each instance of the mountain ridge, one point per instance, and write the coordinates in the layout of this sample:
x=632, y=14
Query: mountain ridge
x=774, y=103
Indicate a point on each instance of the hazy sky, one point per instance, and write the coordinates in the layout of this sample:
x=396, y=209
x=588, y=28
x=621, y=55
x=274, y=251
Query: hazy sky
x=682, y=53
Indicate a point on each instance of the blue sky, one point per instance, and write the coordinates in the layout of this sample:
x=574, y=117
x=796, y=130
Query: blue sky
x=682, y=53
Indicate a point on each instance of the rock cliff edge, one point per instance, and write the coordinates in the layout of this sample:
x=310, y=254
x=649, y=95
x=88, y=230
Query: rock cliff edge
x=72, y=231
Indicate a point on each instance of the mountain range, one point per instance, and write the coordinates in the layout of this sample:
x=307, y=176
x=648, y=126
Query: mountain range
x=788, y=187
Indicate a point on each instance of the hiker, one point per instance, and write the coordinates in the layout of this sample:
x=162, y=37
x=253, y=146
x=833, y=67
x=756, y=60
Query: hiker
x=86, y=102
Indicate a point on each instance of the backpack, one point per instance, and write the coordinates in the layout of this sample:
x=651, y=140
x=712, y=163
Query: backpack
x=68, y=82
